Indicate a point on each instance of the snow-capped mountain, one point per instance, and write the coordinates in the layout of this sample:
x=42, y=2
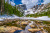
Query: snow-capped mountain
x=22, y=6
x=37, y=9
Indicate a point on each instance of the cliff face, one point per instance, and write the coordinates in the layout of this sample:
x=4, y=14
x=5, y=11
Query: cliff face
x=21, y=6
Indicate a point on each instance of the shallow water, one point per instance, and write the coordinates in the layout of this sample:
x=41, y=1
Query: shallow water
x=17, y=31
x=26, y=29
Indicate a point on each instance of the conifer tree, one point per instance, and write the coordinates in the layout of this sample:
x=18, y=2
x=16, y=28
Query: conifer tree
x=2, y=6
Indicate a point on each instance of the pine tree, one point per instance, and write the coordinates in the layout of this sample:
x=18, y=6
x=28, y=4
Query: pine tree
x=7, y=6
x=2, y=6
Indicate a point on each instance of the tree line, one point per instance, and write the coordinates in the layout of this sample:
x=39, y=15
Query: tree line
x=8, y=9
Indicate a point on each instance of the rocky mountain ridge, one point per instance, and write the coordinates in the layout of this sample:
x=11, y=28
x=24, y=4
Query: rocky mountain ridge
x=38, y=9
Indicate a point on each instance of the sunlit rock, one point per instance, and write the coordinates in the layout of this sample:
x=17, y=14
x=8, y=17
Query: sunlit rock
x=41, y=26
x=9, y=29
x=1, y=23
x=32, y=26
x=29, y=21
x=14, y=20
x=18, y=22
x=12, y=31
x=19, y=29
x=24, y=23
x=44, y=32
x=34, y=30
x=2, y=29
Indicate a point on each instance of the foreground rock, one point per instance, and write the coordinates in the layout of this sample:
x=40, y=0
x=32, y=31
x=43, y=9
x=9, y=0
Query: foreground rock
x=18, y=22
x=32, y=26
x=45, y=32
x=24, y=23
x=9, y=29
x=34, y=30
x=29, y=21
x=41, y=26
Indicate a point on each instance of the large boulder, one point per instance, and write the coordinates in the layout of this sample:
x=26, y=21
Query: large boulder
x=41, y=26
x=29, y=21
x=12, y=31
x=18, y=22
x=19, y=29
x=2, y=29
x=1, y=23
x=45, y=32
x=9, y=29
x=24, y=23
x=34, y=30
x=32, y=26
x=39, y=22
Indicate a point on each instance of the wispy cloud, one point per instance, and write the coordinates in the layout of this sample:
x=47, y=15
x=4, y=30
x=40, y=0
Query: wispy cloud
x=31, y=3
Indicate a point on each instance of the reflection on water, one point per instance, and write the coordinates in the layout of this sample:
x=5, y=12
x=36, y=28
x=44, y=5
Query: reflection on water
x=28, y=27
x=17, y=31
x=38, y=32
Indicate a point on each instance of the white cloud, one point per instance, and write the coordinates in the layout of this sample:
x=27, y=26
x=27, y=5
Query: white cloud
x=46, y=1
x=29, y=3
x=5, y=0
x=12, y=2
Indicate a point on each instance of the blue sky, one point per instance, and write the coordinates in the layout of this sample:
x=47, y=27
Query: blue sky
x=29, y=3
x=17, y=2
